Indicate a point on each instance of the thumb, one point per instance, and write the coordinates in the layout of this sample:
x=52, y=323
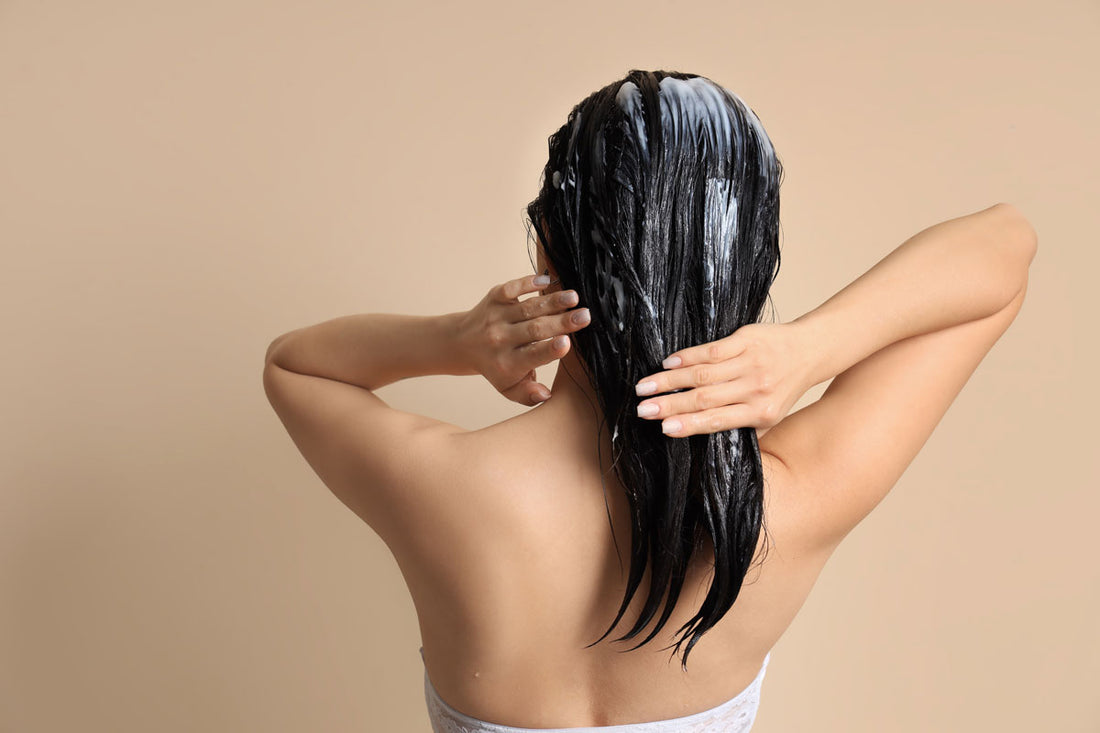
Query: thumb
x=527, y=391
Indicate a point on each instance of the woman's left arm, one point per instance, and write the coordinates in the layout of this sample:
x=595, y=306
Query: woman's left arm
x=385, y=463
x=501, y=338
x=371, y=350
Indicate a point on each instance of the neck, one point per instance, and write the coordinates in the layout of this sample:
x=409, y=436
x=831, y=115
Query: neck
x=575, y=413
x=572, y=390
x=573, y=402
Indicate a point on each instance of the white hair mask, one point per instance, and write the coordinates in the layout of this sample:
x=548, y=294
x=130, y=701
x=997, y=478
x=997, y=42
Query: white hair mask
x=629, y=99
x=695, y=107
x=696, y=110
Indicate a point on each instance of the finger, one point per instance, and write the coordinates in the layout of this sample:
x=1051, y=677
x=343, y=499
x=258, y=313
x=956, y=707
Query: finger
x=710, y=352
x=688, y=377
x=716, y=420
x=527, y=391
x=542, y=305
x=509, y=291
x=544, y=327
x=699, y=399
x=543, y=352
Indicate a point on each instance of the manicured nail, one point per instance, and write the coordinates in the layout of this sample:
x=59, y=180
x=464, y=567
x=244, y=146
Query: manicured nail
x=644, y=388
x=648, y=410
x=542, y=280
x=560, y=342
x=671, y=362
x=582, y=316
x=670, y=426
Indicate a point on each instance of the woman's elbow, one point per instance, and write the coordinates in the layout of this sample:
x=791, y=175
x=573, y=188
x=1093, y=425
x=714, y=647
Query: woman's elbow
x=1025, y=236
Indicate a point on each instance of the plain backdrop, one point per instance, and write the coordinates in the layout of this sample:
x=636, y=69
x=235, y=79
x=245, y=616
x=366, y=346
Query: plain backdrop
x=181, y=182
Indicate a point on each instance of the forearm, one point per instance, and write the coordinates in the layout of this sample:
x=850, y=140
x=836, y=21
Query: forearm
x=953, y=272
x=372, y=350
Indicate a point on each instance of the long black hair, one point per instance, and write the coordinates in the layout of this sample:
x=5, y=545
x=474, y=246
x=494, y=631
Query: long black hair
x=659, y=205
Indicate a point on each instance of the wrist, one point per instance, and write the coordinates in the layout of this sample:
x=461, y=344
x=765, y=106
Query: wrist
x=812, y=344
x=454, y=335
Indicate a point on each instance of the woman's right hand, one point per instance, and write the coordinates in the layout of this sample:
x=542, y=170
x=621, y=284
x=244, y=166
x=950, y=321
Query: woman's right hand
x=751, y=378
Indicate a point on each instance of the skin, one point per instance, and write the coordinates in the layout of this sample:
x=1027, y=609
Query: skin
x=506, y=536
x=509, y=536
x=574, y=592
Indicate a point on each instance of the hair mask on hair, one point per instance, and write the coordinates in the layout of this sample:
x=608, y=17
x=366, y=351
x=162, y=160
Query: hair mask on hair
x=659, y=205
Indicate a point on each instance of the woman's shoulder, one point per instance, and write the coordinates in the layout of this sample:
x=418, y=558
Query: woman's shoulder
x=517, y=486
x=476, y=483
x=533, y=473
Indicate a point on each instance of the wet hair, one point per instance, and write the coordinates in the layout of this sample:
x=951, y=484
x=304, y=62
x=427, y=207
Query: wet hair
x=659, y=205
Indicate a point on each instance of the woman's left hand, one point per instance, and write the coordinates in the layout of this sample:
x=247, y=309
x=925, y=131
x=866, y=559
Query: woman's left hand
x=505, y=338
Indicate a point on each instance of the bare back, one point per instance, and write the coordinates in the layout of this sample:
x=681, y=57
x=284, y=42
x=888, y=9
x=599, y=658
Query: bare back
x=511, y=605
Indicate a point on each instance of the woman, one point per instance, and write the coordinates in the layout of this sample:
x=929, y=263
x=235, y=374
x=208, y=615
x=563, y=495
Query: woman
x=659, y=497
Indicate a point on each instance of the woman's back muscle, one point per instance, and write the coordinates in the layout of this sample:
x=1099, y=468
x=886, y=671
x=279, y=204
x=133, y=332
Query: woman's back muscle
x=512, y=605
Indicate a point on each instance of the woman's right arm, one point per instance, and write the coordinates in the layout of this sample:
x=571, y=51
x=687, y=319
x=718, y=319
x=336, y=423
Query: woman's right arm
x=901, y=340
x=957, y=271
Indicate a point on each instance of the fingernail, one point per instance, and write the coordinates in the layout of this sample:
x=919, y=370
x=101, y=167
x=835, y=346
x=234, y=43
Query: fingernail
x=582, y=316
x=542, y=280
x=644, y=388
x=560, y=342
x=647, y=410
x=670, y=426
x=671, y=362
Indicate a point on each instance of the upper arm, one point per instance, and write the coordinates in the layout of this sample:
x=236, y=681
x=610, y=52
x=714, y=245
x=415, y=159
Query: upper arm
x=383, y=463
x=845, y=451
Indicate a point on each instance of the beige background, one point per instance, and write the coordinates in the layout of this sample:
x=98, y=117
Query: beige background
x=182, y=182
